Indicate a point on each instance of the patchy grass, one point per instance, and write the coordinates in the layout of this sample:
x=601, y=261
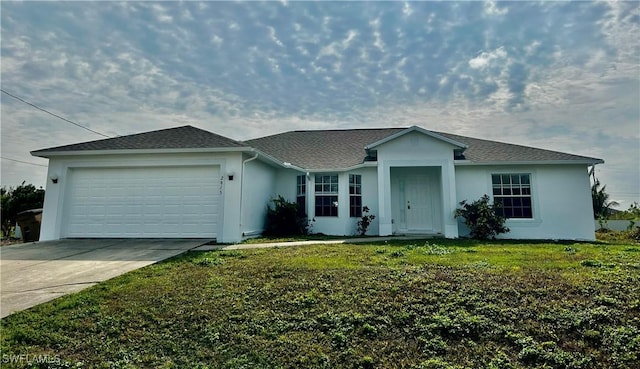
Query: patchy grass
x=422, y=304
x=609, y=236
x=309, y=237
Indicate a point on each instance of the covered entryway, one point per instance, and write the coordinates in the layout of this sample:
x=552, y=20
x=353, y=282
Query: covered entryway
x=416, y=200
x=144, y=202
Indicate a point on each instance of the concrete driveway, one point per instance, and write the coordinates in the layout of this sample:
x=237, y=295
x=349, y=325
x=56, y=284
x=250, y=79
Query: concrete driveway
x=33, y=273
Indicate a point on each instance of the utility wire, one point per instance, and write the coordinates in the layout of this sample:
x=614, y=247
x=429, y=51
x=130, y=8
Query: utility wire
x=23, y=162
x=55, y=115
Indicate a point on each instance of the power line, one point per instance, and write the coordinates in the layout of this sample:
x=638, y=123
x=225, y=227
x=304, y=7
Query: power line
x=23, y=162
x=54, y=114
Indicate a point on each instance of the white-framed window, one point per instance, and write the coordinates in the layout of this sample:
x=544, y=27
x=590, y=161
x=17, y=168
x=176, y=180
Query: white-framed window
x=326, y=191
x=355, y=195
x=301, y=194
x=513, y=192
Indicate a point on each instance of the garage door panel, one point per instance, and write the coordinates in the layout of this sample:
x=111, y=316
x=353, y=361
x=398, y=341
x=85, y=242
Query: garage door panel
x=143, y=202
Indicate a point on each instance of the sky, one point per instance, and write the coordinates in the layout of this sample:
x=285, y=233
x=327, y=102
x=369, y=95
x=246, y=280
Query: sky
x=563, y=76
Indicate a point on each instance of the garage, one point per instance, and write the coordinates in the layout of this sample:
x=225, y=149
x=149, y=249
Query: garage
x=145, y=202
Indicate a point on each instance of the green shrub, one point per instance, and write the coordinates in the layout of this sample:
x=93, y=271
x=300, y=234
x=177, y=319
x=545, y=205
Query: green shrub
x=482, y=218
x=635, y=234
x=365, y=221
x=284, y=219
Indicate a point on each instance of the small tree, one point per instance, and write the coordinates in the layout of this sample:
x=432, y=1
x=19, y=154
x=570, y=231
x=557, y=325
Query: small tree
x=284, y=219
x=601, y=204
x=365, y=221
x=15, y=200
x=482, y=218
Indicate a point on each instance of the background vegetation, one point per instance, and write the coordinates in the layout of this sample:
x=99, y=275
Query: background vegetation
x=15, y=200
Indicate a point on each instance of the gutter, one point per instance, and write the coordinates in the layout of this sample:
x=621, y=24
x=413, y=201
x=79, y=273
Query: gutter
x=594, y=161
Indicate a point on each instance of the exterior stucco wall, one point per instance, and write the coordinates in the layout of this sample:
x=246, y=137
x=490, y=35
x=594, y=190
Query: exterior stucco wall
x=343, y=224
x=258, y=188
x=61, y=167
x=417, y=150
x=561, y=200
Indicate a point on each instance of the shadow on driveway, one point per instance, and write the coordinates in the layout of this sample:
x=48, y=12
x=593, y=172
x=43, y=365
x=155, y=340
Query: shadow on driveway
x=33, y=273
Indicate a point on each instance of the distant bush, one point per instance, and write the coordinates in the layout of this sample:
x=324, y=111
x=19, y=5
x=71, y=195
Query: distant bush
x=482, y=218
x=284, y=219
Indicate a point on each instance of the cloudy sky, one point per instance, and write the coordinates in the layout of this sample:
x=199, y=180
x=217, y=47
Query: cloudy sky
x=556, y=75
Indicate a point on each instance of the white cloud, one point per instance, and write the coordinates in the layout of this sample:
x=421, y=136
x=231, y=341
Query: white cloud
x=273, y=37
x=161, y=13
x=491, y=8
x=486, y=58
x=377, y=36
x=406, y=9
x=216, y=40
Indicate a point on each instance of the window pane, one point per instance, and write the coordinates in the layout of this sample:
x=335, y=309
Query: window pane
x=495, y=179
x=505, y=179
x=508, y=212
x=515, y=179
x=524, y=179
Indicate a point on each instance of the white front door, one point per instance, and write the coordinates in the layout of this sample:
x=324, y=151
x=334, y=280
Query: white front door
x=419, y=203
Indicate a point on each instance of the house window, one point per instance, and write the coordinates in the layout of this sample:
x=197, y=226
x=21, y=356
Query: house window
x=301, y=195
x=513, y=191
x=355, y=195
x=326, y=195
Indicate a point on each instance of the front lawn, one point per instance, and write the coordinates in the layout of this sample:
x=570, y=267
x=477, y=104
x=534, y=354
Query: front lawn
x=411, y=304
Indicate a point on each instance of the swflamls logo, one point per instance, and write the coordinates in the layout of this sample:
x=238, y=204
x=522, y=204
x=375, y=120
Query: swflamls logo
x=30, y=359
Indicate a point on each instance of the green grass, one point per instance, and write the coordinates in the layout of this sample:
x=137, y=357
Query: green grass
x=417, y=304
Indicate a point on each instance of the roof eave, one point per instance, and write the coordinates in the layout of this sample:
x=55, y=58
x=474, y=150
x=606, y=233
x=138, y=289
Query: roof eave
x=593, y=161
x=49, y=154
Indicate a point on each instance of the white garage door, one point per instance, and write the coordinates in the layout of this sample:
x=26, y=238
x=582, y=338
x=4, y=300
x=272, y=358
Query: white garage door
x=148, y=202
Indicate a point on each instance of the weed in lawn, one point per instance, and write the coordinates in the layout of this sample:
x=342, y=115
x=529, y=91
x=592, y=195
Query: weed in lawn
x=209, y=262
x=591, y=263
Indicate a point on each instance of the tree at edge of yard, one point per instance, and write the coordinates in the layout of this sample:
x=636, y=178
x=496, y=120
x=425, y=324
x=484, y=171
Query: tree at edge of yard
x=15, y=200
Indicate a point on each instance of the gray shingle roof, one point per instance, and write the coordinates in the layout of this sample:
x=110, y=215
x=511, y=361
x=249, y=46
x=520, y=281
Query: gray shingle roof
x=329, y=149
x=339, y=149
x=314, y=150
x=481, y=151
x=185, y=137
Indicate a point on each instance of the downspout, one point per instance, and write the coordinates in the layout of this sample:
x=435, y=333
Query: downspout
x=242, y=190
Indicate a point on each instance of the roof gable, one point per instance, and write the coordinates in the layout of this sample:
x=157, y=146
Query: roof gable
x=416, y=129
x=185, y=137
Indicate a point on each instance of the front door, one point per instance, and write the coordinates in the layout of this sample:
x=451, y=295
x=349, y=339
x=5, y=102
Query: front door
x=419, y=203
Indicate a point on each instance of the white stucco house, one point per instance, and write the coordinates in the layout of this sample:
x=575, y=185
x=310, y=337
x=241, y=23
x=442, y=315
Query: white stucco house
x=186, y=182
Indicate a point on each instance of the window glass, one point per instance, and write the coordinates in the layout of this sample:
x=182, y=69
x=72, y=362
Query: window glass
x=513, y=192
x=326, y=196
x=355, y=195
